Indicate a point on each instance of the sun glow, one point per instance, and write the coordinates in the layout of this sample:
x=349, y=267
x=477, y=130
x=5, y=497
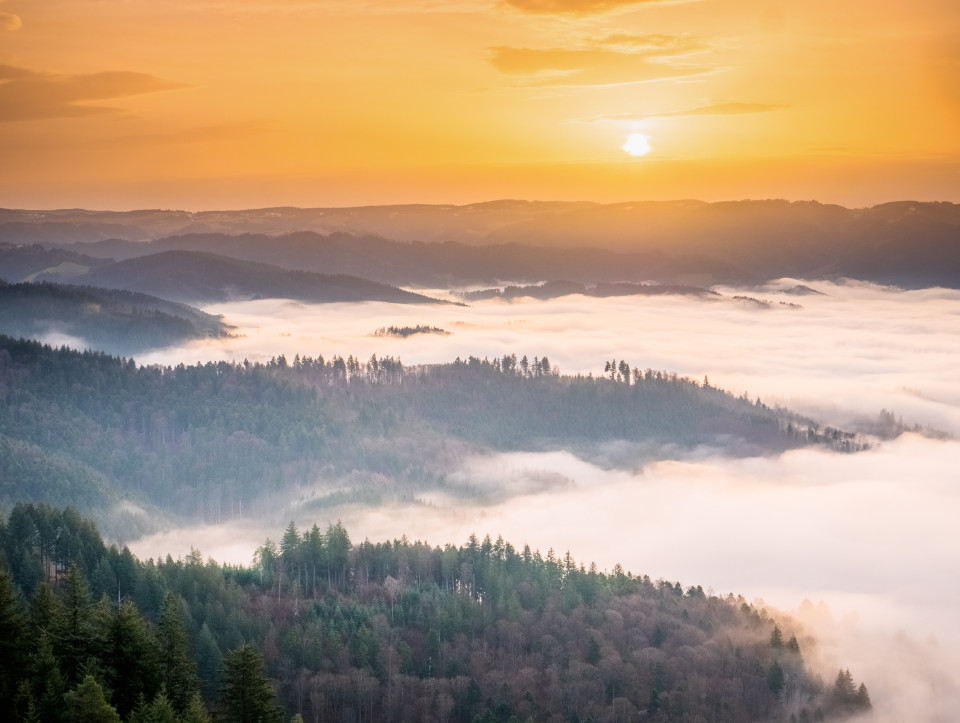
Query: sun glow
x=637, y=144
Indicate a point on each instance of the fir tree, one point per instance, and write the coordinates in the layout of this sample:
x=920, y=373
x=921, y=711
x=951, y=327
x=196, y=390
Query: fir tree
x=12, y=642
x=178, y=673
x=195, y=712
x=247, y=696
x=87, y=704
x=776, y=638
x=130, y=658
x=74, y=638
x=776, y=678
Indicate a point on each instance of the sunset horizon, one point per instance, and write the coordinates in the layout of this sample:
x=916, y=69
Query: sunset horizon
x=209, y=105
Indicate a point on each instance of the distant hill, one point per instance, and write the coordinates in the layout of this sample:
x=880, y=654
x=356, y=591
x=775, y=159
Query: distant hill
x=26, y=262
x=195, y=277
x=203, y=278
x=429, y=265
x=556, y=289
x=686, y=242
x=119, y=322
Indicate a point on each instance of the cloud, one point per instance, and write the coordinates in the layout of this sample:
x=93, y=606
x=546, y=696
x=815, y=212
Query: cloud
x=732, y=109
x=10, y=22
x=657, y=43
x=578, y=7
x=31, y=95
x=713, y=109
x=583, y=67
x=528, y=60
x=314, y=9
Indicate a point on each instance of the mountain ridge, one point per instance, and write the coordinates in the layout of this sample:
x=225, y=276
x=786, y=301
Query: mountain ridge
x=905, y=243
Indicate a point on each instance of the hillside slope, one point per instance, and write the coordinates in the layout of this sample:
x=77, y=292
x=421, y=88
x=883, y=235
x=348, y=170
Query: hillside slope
x=118, y=322
x=188, y=438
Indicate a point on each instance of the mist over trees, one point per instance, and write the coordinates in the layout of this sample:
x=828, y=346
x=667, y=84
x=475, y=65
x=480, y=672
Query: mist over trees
x=92, y=430
x=118, y=322
x=326, y=628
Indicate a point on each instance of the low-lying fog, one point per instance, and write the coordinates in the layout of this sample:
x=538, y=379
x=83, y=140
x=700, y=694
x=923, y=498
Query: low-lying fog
x=872, y=534
x=855, y=349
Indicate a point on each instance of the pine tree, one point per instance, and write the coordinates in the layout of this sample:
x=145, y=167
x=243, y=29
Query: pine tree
x=50, y=684
x=13, y=626
x=24, y=706
x=87, y=704
x=44, y=609
x=159, y=710
x=130, y=658
x=776, y=678
x=247, y=696
x=178, y=673
x=209, y=662
x=74, y=638
x=195, y=712
x=792, y=645
x=776, y=638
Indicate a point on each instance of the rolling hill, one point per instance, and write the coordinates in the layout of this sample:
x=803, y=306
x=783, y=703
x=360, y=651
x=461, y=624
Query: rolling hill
x=116, y=321
x=906, y=243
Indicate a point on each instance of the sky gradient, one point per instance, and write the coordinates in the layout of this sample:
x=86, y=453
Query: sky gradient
x=205, y=104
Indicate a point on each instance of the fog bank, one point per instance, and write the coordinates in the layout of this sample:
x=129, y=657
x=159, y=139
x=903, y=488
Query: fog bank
x=868, y=533
x=871, y=534
x=850, y=351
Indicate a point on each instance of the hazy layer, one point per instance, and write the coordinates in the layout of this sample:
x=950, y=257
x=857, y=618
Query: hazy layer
x=871, y=534
x=854, y=350
x=808, y=523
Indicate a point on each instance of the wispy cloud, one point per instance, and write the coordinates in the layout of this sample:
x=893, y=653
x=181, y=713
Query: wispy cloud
x=316, y=8
x=32, y=95
x=732, y=109
x=9, y=21
x=657, y=43
x=528, y=60
x=713, y=109
x=595, y=66
x=581, y=7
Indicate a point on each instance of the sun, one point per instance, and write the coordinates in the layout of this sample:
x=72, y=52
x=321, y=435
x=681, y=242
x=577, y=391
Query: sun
x=637, y=144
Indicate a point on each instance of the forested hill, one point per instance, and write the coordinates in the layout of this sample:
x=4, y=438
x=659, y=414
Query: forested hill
x=195, y=277
x=325, y=629
x=92, y=430
x=119, y=322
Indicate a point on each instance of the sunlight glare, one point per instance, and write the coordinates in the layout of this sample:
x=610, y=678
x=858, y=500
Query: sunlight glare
x=637, y=144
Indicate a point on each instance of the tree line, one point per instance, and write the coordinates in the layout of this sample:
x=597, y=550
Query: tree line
x=327, y=629
x=208, y=440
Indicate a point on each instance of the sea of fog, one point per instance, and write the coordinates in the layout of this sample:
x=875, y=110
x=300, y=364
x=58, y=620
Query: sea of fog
x=871, y=536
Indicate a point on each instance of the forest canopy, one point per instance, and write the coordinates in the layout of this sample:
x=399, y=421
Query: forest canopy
x=326, y=628
x=93, y=430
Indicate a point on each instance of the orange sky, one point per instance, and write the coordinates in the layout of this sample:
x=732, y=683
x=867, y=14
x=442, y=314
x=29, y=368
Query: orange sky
x=237, y=103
